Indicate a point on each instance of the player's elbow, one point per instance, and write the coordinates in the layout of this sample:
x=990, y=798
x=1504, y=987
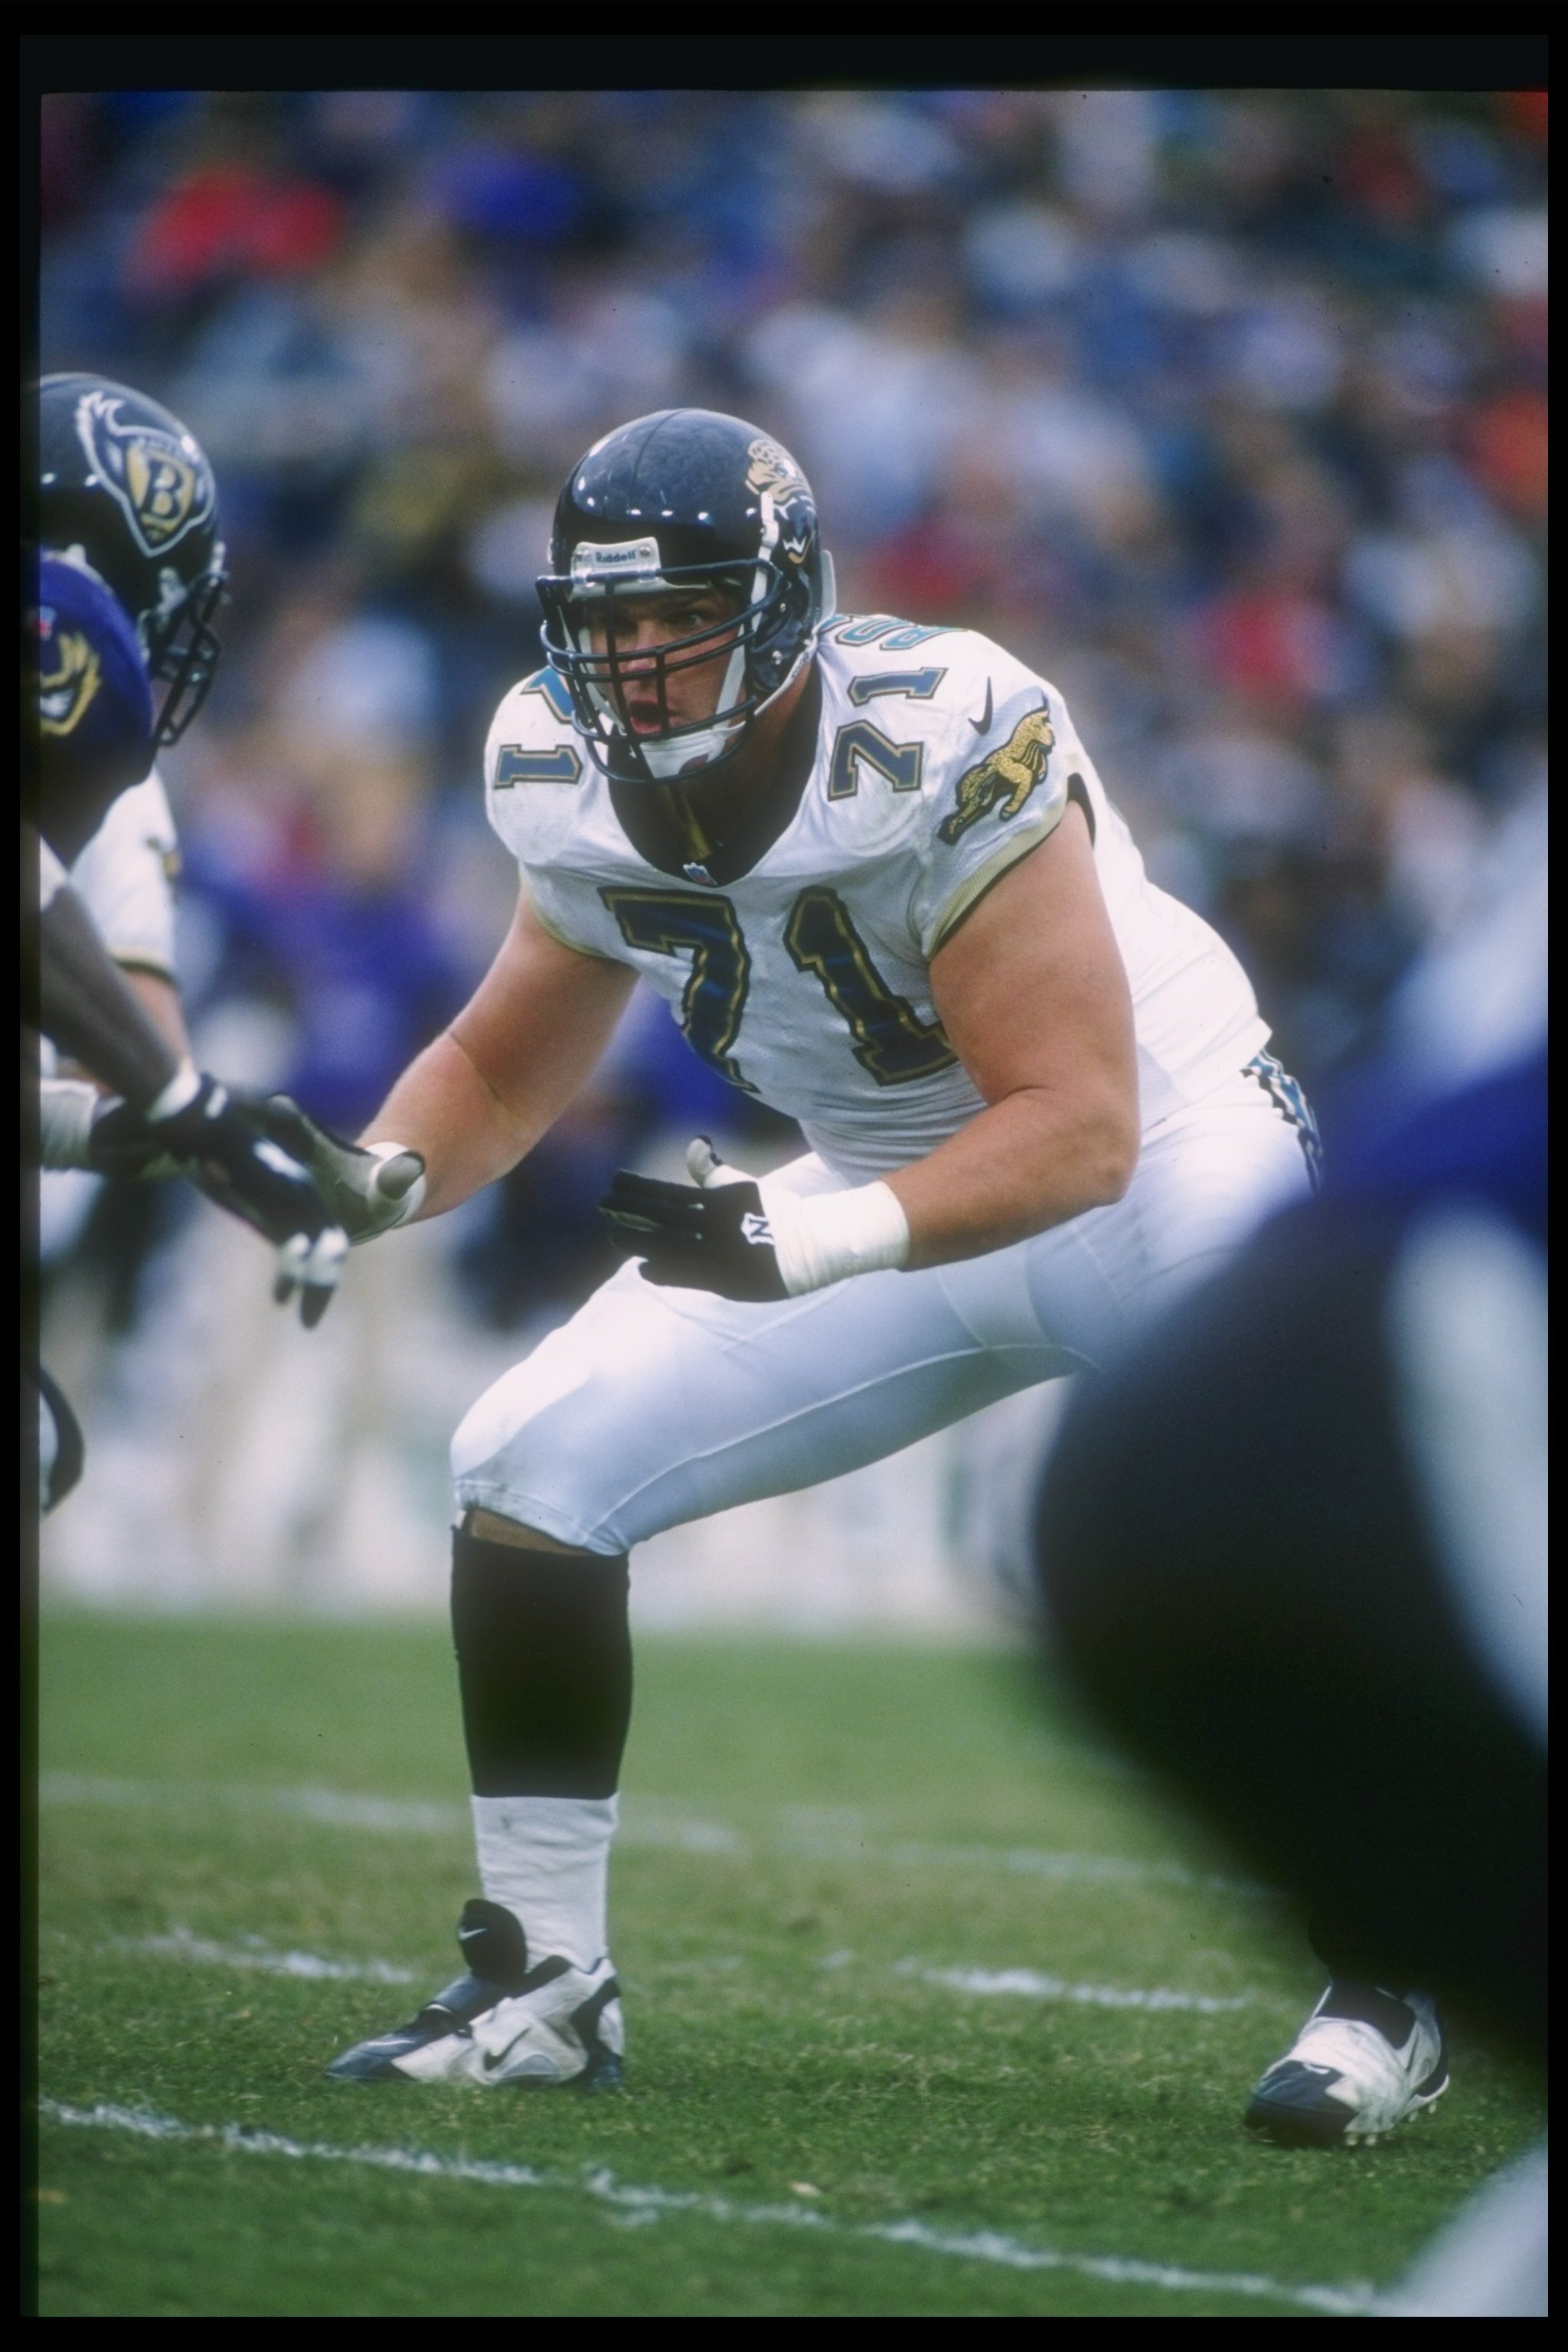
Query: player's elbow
x=1111, y=1152
x=1089, y=1140
x=1117, y=1169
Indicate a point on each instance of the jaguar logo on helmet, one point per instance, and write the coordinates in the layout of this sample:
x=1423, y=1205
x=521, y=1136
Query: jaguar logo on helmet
x=772, y=468
x=161, y=482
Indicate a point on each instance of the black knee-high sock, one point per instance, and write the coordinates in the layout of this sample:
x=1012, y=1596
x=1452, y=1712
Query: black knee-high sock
x=544, y=1667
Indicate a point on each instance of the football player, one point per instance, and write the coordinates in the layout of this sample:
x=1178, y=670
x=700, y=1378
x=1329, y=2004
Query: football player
x=126, y=578
x=872, y=868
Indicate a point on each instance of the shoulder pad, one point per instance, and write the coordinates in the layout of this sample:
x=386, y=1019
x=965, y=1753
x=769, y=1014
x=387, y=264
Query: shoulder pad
x=532, y=739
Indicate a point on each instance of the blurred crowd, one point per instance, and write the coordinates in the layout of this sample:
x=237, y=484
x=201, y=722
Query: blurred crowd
x=1226, y=411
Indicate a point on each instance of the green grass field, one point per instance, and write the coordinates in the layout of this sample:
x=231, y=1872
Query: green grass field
x=834, y=1858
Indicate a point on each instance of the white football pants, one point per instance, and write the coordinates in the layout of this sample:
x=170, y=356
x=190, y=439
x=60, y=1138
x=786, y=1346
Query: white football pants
x=652, y=1407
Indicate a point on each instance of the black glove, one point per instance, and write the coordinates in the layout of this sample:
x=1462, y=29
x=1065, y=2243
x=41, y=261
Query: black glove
x=122, y=1144
x=222, y=1145
x=691, y=1237
x=367, y=1191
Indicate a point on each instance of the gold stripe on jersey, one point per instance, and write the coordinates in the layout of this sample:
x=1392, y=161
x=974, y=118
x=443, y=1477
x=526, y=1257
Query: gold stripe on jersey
x=138, y=959
x=554, y=930
x=972, y=889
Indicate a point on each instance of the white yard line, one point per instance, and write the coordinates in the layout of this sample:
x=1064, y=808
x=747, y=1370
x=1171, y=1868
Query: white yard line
x=1029, y=1984
x=179, y=1944
x=647, y=1824
x=632, y=2203
x=1020, y=1861
x=336, y=1808
x=679, y=1836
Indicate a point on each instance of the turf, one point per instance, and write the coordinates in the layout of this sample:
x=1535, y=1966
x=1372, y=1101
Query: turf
x=810, y=1831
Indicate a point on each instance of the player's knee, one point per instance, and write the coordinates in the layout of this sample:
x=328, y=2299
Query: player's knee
x=541, y=1462
x=517, y=1535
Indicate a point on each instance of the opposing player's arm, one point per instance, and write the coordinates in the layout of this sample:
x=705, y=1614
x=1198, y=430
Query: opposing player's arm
x=159, y=999
x=86, y=1004
x=169, y=1111
x=484, y=1092
x=1033, y=994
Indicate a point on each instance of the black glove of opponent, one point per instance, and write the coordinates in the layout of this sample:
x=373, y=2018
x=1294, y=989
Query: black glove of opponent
x=224, y=1148
x=690, y=1237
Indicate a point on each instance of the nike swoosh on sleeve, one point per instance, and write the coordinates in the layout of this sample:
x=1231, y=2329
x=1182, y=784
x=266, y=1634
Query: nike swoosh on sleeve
x=984, y=722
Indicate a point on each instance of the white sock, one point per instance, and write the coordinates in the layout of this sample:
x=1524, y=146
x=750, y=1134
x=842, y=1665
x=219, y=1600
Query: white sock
x=548, y=1860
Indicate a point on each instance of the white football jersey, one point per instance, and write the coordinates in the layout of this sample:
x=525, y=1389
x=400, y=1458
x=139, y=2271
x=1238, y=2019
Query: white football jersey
x=126, y=877
x=938, y=762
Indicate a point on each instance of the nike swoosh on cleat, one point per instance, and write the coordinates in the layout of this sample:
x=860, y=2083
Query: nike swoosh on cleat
x=984, y=722
x=501, y=2057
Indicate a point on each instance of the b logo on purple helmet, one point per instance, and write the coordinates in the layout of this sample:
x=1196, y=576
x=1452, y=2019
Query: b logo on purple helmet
x=160, y=480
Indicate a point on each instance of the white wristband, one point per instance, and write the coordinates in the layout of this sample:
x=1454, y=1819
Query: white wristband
x=823, y=1237
x=67, y=1109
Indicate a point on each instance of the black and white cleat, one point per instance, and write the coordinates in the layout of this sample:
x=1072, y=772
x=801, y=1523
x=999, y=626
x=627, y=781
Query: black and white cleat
x=503, y=2022
x=1364, y=2062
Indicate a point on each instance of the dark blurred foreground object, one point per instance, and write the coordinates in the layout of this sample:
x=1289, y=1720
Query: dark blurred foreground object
x=1295, y=1548
x=1275, y=1542
x=61, y=1448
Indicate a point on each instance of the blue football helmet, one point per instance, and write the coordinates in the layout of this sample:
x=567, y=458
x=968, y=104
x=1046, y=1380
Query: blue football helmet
x=685, y=497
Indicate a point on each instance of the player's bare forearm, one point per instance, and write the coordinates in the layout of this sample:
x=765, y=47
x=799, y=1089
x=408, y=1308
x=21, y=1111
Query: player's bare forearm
x=159, y=999
x=483, y=1093
x=1022, y=1165
x=442, y=1108
x=1032, y=993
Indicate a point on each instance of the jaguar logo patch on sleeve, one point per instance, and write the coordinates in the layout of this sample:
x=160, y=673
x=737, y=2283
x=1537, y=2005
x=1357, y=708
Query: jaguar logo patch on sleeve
x=160, y=480
x=1009, y=775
